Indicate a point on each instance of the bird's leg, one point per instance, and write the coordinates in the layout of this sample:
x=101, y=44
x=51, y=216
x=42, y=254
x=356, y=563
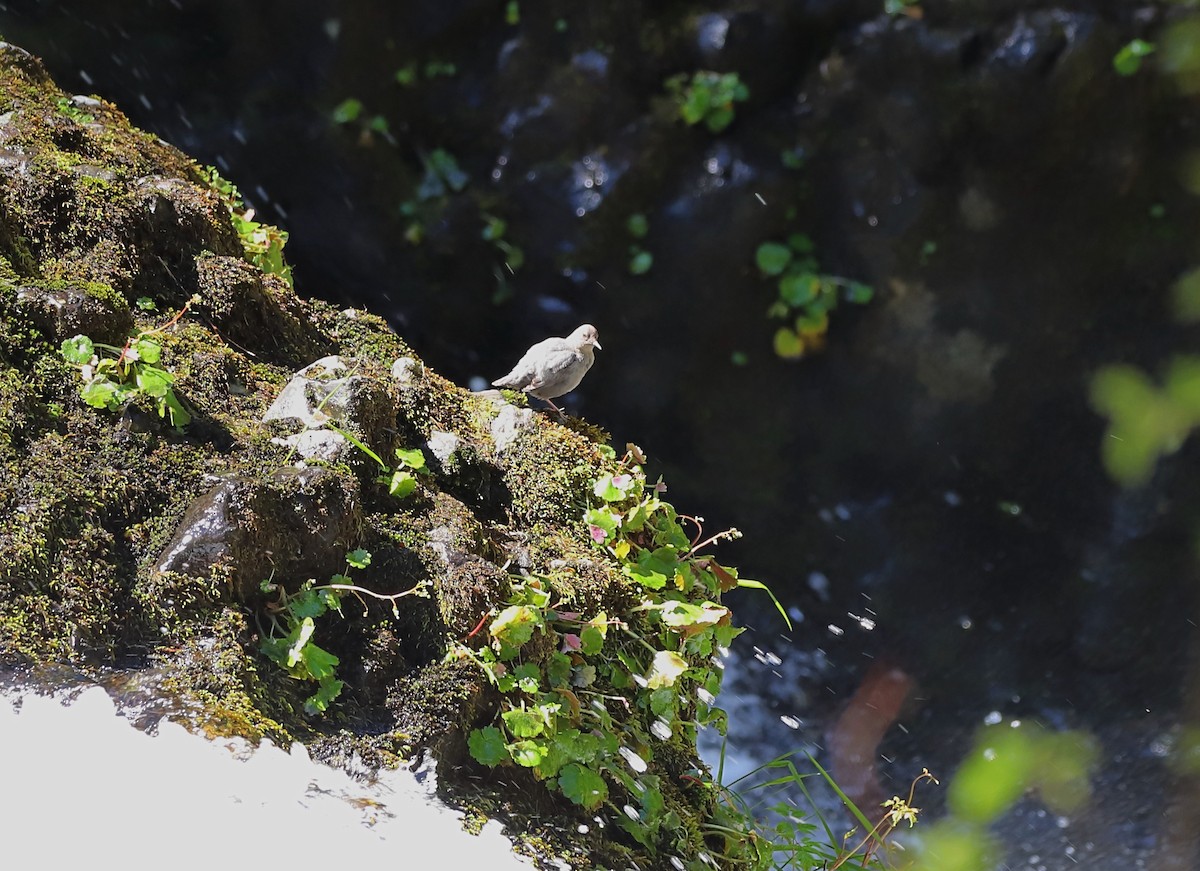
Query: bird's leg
x=558, y=410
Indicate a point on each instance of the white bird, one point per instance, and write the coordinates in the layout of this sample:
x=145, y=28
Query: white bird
x=554, y=367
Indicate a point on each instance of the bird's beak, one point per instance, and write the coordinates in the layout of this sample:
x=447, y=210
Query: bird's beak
x=597, y=344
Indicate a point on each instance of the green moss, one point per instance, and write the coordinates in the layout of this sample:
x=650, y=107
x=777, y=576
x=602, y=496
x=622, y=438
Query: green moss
x=550, y=472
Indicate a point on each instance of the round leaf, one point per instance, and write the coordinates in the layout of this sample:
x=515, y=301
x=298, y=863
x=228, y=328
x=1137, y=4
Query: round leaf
x=772, y=258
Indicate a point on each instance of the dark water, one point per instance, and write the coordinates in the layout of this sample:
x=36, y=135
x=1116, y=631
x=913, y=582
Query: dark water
x=927, y=494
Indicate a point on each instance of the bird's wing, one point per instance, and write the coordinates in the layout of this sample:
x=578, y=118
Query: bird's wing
x=552, y=364
x=527, y=367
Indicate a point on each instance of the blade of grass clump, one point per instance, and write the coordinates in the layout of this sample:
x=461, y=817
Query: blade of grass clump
x=833, y=841
x=759, y=585
x=350, y=437
x=867, y=825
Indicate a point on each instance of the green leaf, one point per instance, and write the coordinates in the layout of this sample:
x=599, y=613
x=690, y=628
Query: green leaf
x=401, y=484
x=665, y=669
x=1128, y=60
x=813, y=321
x=487, y=746
x=592, y=639
x=772, y=258
x=613, y=488
x=578, y=746
x=528, y=753
x=527, y=677
x=359, y=558
x=101, y=393
x=329, y=689
x=407, y=75
x=637, y=225
x=662, y=702
x=319, y=662
x=411, y=457
x=718, y=119
x=748, y=584
x=348, y=110
x=179, y=415
x=695, y=105
x=640, y=261
x=799, y=288
x=1185, y=296
x=651, y=573
x=558, y=669
x=602, y=525
x=494, y=229
x=522, y=723
x=858, y=293
x=583, y=786
x=147, y=351
x=307, y=603
x=788, y=344
x=801, y=243
x=515, y=624
x=514, y=255
x=78, y=350
x=441, y=163
x=153, y=381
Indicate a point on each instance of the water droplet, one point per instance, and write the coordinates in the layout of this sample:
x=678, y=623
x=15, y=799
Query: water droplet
x=637, y=763
x=992, y=719
x=766, y=657
x=661, y=729
x=790, y=721
x=835, y=630
x=865, y=622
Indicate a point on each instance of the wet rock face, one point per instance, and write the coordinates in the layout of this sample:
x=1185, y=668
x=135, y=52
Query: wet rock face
x=89, y=200
x=248, y=306
x=64, y=311
x=294, y=525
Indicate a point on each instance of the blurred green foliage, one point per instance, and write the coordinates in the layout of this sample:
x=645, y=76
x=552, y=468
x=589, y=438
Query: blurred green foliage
x=1007, y=762
x=806, y=295
x=1179, y=53
x=1146, y=421
x=1129, y=59
x=640, y=260
x=708, y=97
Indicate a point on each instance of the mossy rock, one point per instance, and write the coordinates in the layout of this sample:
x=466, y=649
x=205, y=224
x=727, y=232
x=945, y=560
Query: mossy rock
x=171, y=551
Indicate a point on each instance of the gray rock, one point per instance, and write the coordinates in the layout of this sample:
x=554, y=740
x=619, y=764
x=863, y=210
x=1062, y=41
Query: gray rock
x=296, y=524
x=407, y=370
x=508, y=425
x=443, y=445
x=309, y=399
x=317, y=444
